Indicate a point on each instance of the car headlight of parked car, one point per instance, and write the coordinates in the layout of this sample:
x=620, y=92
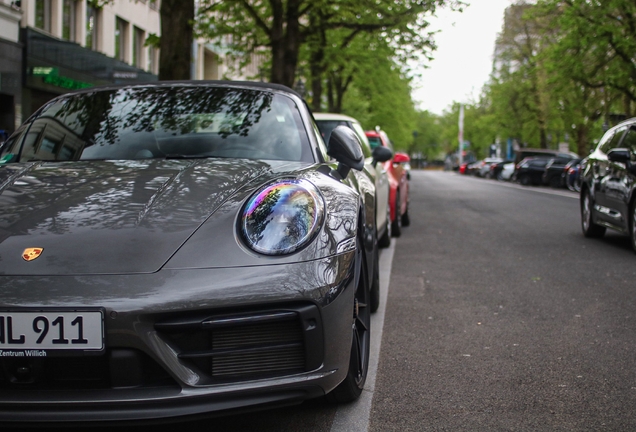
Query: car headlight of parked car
x=282, y=217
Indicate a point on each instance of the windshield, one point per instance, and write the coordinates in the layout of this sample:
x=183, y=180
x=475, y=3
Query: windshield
x=164, y=122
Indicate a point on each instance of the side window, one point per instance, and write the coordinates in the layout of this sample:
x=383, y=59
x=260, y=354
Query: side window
x=322, y=146
x=609, y=142
x=629, y=142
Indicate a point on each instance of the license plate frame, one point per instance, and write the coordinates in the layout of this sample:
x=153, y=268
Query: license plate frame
x=56, y=331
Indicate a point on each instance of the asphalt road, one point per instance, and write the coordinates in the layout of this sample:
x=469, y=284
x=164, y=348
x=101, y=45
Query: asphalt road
x=500, y=316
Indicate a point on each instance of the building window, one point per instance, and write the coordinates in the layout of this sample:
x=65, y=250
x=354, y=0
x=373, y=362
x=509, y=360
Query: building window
x=121, y=36
x=43, y=15
x=91, y=27
x=69, y=20
x=138, y=45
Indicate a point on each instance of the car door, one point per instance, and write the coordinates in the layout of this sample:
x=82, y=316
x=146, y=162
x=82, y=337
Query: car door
x=620, y=181
x=378, y=172
x=605, y=181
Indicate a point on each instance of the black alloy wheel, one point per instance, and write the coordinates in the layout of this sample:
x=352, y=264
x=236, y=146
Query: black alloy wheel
x=396, y=228
x=590, y=229
x=352, y=386
x=524, y=179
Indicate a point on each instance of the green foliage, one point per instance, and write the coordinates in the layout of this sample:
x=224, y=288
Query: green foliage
x=153, y=40
x=564, y=71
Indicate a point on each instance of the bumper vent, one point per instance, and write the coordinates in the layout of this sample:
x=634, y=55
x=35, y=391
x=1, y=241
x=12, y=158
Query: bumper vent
x=248, y=344
x=116, y=368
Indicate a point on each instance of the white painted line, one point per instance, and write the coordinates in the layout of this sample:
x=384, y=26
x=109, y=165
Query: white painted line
x=354, y=417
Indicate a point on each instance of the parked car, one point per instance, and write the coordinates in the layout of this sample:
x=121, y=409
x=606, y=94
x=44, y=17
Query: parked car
x=463, y=167
x=507, y=171
x=398, y=181
x=327, y=122
x=530, y=171
x=526, y=152
x=555, y=171
x=473, y=168
x=484, y=167
x=608, y=184
x=496, y=168
x=176, y=249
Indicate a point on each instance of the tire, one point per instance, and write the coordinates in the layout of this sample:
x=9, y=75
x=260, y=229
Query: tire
x=375, y=283
x=396, y=225
x=406, y=219
x=351, y=387
x=589, y=228
x=385, y=240
x=524, y=180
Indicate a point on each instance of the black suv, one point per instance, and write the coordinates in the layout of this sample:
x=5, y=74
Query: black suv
x=555, y=171
x=530, y=171
x=608, y=184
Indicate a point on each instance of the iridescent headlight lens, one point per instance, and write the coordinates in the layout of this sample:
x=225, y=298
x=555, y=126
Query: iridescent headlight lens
x=283, y=217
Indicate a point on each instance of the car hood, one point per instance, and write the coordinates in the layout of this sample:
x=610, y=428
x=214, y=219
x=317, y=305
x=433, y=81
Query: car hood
x=113, y=217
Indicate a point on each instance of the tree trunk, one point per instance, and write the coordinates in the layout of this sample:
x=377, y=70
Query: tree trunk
x=582, y=146
x=317, y=71
x=286, y=40
x=175, y=54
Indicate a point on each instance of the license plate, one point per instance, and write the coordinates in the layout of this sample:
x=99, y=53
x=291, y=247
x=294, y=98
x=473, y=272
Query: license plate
x=52, y=330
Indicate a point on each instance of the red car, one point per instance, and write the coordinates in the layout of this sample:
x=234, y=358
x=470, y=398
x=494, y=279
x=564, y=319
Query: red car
x=397, y=169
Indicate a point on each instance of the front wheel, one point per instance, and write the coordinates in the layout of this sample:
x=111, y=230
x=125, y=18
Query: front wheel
x=590, y=229
x=351, y=388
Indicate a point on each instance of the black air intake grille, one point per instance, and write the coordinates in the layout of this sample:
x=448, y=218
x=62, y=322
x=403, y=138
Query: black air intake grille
x=248, y=345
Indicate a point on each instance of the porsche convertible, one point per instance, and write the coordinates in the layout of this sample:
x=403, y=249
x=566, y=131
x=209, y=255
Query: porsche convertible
x=182, y=248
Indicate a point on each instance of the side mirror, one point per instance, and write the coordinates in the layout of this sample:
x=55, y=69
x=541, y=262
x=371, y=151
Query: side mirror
x=345, y=147
x=401, y=158
x=619, y=155
x=381, y=154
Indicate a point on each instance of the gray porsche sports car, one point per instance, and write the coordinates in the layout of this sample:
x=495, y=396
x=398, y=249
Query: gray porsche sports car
x=182, y=248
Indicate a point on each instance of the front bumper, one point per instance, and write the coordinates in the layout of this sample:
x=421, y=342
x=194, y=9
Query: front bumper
x=162, y=334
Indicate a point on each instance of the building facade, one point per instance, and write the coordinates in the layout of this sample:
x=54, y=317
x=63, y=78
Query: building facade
x=71, y=44
x=49, y=47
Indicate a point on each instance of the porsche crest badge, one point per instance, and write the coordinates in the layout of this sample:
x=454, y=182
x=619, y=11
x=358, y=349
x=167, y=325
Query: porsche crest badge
x=30, y=254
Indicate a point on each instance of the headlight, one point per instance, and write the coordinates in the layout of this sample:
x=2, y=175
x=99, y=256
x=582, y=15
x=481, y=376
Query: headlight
x=282, y=217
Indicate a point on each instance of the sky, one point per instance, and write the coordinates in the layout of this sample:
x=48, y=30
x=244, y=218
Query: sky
x=463, y=59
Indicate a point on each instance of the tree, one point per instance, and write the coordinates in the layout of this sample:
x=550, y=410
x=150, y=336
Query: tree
x=386, y=95
x=596, y=44
x=281, y=27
